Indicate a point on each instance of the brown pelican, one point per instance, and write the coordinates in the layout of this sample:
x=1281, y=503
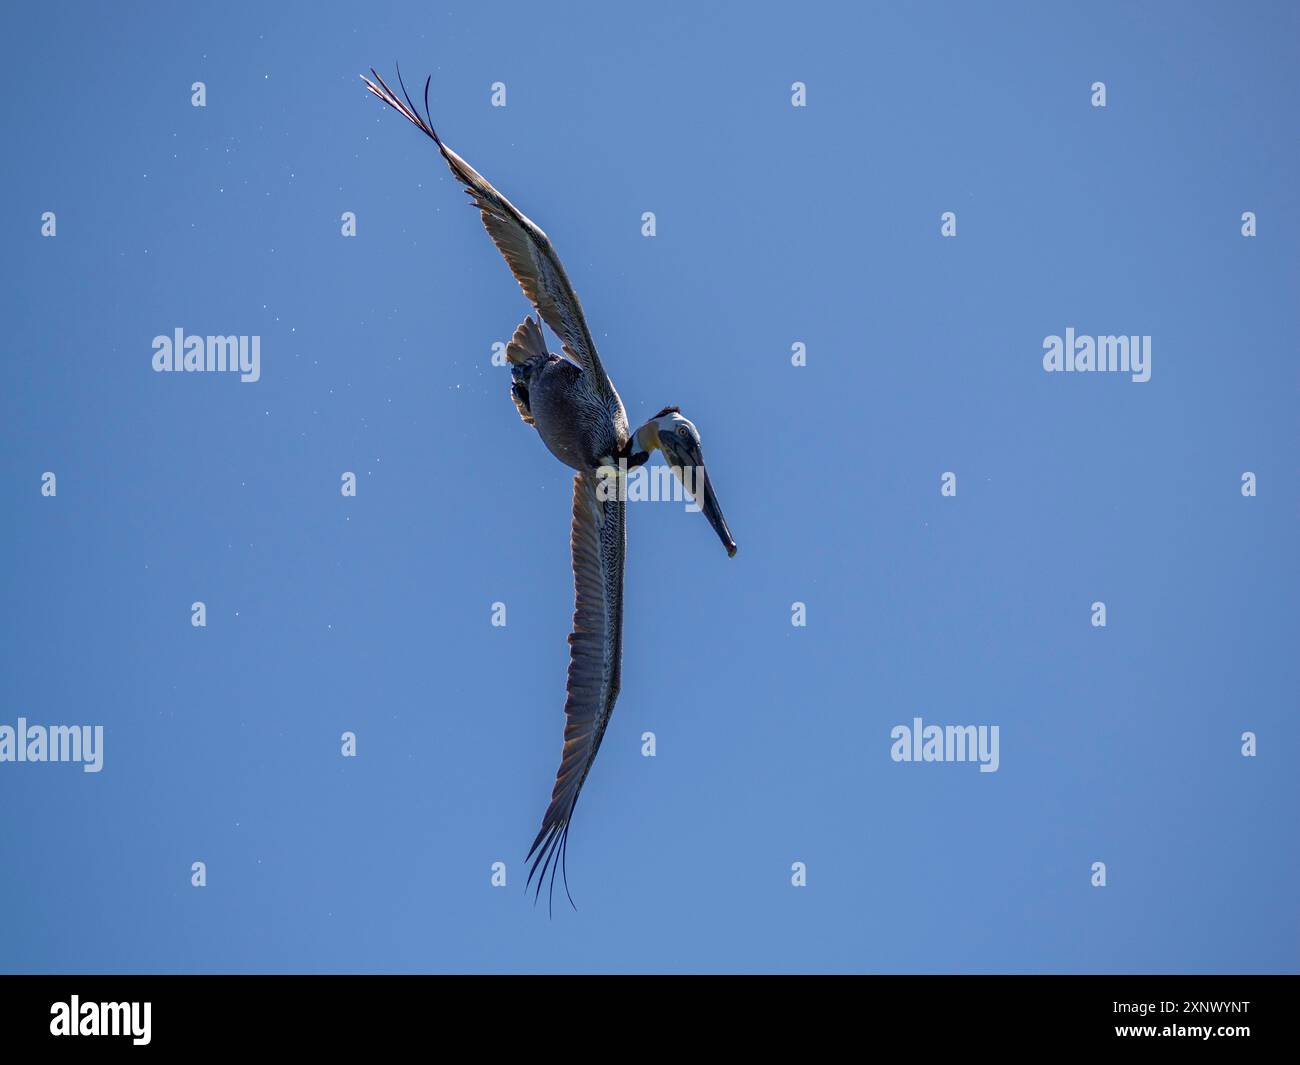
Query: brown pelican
x=576, y=410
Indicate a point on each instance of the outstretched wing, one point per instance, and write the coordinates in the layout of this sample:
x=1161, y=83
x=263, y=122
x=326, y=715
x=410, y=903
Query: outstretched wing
x=526, y=248
x=595, y=656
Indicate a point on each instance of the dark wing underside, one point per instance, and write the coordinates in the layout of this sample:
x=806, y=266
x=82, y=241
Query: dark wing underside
x=526, y=249
x=595, y=654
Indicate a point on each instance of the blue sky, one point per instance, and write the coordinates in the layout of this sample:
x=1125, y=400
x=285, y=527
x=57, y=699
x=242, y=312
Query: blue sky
x=775, y=225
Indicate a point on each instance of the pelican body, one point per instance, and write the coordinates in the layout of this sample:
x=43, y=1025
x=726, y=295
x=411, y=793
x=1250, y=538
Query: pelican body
x=581, y=427
x=572, y=403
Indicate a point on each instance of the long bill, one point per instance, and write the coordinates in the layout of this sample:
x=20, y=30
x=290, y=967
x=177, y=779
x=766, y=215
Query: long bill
x=713, y=511
x=711, y=507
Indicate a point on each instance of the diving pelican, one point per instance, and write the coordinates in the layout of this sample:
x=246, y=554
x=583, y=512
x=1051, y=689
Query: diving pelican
x=576, y=410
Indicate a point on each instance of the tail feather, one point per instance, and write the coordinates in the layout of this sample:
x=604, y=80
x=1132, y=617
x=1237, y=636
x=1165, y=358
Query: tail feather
x=527, y=343
x=524, y=351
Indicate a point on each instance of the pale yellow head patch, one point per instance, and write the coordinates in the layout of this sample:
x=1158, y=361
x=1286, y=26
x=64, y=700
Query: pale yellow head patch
x=647, y=437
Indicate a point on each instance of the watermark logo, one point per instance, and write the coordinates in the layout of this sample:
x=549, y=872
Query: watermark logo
x=213, y=354
x=946, y=743
x=53, y=743
x=102, y=1018
x=652, y=484
x=1110, y=354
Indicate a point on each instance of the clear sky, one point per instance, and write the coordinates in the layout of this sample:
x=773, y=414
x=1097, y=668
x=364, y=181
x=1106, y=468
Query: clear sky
x=775, y=225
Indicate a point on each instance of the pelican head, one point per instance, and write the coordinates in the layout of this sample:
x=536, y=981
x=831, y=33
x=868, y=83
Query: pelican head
x=679, y=440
